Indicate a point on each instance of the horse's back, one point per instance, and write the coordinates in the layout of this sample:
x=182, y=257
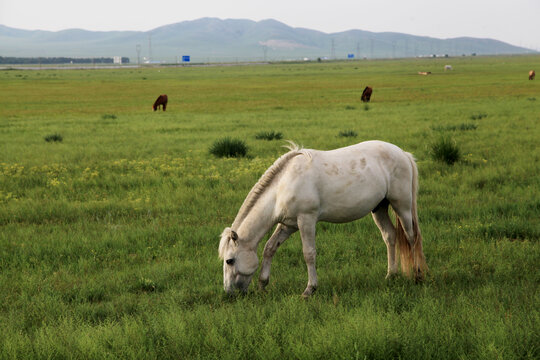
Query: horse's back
x=371, y=148
x=369, y=156
x=162, y=99
x=343, y=184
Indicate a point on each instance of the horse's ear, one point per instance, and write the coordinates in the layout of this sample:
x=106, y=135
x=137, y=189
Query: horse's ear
x=234, y=235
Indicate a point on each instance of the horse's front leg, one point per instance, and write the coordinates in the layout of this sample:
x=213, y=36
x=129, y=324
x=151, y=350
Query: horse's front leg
x=307, y=225
x=279, y=236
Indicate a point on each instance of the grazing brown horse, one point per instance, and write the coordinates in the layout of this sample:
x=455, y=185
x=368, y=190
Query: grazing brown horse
x=532, y=74
x=366, y=95
x=161, y=100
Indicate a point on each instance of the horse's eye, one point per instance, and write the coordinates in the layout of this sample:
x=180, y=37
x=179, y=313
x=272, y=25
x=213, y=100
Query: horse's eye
x=229, y=261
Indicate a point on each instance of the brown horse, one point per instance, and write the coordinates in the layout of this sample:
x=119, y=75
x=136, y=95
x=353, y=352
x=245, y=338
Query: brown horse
x=366, y=95
x=532, y=74
x=161, y=100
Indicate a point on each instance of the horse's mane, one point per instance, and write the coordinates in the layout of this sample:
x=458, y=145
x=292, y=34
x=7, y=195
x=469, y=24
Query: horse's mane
x=224, y=241
x=264, y=182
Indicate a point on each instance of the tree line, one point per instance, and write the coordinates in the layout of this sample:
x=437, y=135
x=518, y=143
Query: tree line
x=58, y=60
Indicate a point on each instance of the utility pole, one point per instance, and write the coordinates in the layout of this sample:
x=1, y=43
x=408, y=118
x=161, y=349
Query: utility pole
x=138, y=49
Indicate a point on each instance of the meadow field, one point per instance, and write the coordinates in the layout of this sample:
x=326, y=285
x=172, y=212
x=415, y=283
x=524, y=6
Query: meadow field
x=110, y=213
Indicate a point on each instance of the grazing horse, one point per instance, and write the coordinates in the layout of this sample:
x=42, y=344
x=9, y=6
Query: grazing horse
x=305, y=186
x=532, y=74
x=161, y=100
x=366, y=94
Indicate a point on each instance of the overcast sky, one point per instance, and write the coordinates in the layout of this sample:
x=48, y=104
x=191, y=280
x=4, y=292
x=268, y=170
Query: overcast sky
x=516, y=21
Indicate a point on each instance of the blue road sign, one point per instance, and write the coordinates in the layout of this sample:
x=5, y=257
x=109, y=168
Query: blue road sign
x=350, y=56
x=186, y=58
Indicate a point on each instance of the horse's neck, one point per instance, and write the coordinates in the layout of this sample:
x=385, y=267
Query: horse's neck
x=258, y=221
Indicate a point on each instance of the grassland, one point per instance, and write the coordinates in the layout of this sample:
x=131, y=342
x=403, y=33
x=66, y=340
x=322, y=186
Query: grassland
x=108, y=240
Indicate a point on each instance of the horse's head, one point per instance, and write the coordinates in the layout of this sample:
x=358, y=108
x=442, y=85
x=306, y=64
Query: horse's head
x=239, y=262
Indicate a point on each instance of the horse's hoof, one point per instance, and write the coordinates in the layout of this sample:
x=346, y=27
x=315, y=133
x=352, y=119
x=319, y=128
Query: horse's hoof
x=418, y=276
x=308, y=292
x=262, y=288
x=390, y=276
x=263, y=284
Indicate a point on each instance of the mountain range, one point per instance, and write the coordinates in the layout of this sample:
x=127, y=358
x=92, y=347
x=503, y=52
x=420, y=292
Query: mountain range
x=212, y=39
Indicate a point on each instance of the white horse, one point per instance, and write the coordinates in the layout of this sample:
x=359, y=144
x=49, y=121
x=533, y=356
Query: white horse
x=305, y=186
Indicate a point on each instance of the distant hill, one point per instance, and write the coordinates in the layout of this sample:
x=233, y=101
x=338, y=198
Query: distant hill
x=211, y=39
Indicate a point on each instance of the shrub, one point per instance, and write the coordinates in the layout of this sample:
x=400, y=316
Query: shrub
x=146, y=285
x=478, y=116
x=348, y=133
x=269, y=135
x=462, y=127
x=228, y=147
x=445, y=150
x=54, y=138
x=465, y=127
x=108, y=117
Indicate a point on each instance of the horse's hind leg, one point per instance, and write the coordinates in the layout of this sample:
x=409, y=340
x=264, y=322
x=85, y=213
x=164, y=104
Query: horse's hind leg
x=279, y=236
x=404, y=213
x=388, y=232
x=411, y=253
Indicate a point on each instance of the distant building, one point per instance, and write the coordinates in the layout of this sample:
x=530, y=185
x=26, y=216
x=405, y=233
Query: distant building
x=117, y=60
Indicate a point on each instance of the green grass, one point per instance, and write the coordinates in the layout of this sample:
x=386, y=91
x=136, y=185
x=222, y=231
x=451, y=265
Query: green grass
x=108, y=239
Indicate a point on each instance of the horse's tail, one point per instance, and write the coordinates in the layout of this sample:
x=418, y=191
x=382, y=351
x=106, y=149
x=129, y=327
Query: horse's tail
x=412, y=257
